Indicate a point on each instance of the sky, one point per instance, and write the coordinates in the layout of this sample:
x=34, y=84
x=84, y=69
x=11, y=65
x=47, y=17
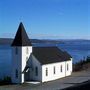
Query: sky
x=46, y=19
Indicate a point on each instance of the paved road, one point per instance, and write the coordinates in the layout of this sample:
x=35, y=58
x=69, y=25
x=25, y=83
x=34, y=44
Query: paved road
x=75, y=78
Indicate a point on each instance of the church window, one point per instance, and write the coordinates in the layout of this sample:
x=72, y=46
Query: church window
x=46, y=71
x=26, y=59
x=27, y=50
x=16, y=50
x=16, y=72
x=61, y=68
x=54, y=70
x=36, y=71
x=67, y=67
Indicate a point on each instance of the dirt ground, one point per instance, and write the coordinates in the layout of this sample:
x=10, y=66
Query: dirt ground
x=75, y=79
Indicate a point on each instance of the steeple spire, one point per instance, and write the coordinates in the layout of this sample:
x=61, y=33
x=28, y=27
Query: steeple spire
x=21, y=38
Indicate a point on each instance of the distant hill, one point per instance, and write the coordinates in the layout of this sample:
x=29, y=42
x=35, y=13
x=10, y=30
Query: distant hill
x=8, y=41
x=4, y=41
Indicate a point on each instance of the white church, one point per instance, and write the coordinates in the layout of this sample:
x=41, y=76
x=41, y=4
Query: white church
x=40, y=64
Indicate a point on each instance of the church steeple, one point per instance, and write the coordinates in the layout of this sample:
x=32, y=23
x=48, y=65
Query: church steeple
x=21, y=38
x=21, y=51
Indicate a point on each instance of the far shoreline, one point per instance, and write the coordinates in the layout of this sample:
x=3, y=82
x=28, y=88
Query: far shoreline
x=46, y=41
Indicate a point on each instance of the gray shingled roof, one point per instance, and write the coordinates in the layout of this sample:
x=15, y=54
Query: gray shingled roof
x=21, y=38
x=46, y=55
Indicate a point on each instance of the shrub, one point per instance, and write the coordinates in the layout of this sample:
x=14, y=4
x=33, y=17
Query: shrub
x=81, y=65
x=6, y=80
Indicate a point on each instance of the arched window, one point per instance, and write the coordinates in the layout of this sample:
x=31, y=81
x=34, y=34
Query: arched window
x=61, y=68
x=16, y=73
x=26, y=59
x=67, y=67
x=36, y=71
x=16, y=50
x=27, y=50
x=46, y=71
x=54, y=71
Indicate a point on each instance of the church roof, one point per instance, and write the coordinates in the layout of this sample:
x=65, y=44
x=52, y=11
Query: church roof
x=21, y=38
x=46, y=55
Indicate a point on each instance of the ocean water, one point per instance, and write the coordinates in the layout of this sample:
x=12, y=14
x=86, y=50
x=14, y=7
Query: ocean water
x=77, y=50
x=5, y=60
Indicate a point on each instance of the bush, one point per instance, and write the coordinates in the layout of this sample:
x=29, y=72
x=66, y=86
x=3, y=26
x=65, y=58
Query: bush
x=88, y=59
x=6, y=80
x=81, y=65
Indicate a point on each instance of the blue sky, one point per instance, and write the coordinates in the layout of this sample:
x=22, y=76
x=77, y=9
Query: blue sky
x=53, y=19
